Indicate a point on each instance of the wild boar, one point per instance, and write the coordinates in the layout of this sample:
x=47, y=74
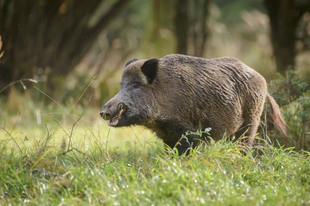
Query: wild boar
x=180, y=93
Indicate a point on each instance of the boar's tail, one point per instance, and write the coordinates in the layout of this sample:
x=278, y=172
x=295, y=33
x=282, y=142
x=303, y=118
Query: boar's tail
x=277, y=116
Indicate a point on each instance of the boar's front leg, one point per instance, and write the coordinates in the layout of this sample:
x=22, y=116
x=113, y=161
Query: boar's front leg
x=185, y=144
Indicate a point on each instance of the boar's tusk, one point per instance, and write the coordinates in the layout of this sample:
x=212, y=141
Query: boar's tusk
x=120, y=113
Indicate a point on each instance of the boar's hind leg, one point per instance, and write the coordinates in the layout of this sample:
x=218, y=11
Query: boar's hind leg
x=248, y=130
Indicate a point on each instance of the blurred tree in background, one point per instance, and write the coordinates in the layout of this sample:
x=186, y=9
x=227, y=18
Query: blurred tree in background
x=285, y=21
x=181, y=25
x=65, y=43
x=190, y=22
x=52, y=34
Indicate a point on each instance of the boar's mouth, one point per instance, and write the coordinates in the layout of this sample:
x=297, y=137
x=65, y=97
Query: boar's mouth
x=114, y=121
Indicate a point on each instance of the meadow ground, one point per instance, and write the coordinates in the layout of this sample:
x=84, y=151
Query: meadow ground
x=47, y=159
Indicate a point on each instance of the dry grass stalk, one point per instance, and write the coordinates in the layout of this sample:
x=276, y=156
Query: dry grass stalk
x=1, y=52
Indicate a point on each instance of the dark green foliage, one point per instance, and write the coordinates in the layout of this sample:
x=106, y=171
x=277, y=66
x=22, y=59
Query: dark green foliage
x=230, y=8
x=293, y=96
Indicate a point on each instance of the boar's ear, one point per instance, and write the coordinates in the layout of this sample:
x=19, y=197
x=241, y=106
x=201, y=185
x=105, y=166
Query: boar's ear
x=149, y=69
x=130, y=61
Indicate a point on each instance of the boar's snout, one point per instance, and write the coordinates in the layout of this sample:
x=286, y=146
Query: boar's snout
x=113, y=113
x=105, y=114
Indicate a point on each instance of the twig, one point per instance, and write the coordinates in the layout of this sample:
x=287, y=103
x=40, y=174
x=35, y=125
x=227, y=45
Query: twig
x=57, y=122
x=97, y=142
x=70, y=150
x=72, y=129
x=83, y=92
x=13, y=139
x=68, y=112
x=18, y=81
x=54, y=101
x=1, y=52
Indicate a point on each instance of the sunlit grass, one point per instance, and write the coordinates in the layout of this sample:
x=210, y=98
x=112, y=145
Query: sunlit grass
x=61, y=161
x=101, y=168
x=80, y=135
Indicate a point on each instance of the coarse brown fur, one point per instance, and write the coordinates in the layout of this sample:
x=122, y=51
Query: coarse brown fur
x=180, y=93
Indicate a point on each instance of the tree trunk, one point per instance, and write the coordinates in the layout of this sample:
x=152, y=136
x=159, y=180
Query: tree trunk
x=199, y=30
x=181, y=25
x=53, y=34
x=284, y=17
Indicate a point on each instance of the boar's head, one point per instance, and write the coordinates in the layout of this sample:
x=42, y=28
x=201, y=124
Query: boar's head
x=135, y=103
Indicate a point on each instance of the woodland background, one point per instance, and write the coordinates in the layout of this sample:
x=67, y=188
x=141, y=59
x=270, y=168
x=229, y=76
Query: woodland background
x=61, y=60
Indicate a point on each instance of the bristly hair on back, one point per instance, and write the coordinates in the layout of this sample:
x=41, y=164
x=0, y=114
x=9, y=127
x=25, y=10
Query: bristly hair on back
x=130, y=61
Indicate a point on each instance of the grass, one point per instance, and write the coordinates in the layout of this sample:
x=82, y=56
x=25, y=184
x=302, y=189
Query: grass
x=51, y=157
x=129, y=167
